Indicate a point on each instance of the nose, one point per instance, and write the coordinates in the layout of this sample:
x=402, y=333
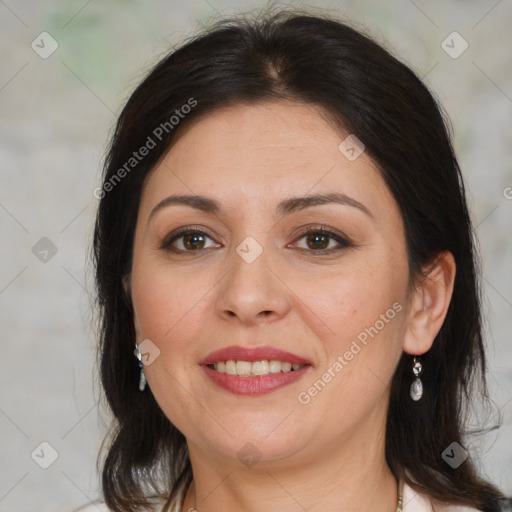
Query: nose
x=253, y=292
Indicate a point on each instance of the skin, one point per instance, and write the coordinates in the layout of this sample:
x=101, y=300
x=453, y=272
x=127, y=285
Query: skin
x=327, y=454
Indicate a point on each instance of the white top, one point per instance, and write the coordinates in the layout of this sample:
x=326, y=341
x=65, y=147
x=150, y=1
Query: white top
x=412, y=501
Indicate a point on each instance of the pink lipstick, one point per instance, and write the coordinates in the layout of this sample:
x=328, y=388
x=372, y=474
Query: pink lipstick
x=253, y=371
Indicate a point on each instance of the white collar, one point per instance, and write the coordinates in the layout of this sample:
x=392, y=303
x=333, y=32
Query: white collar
x=414, y=501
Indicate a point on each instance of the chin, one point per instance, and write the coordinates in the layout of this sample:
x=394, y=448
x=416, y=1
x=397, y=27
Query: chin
x=265, y=442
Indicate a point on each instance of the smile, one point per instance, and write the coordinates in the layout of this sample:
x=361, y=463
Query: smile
x=254, y=369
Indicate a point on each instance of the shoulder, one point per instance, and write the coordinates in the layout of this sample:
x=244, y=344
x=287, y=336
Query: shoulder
x=414, y=501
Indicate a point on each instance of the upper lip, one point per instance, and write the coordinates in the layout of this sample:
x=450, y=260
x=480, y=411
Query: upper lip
x=252, y=354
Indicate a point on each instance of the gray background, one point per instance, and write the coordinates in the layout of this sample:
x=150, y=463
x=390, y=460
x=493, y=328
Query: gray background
x=56, y=115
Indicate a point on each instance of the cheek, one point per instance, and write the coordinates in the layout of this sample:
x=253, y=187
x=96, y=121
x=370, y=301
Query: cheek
x=350, y=301
x=171, y=307
x=163, y=297
x=365, y=314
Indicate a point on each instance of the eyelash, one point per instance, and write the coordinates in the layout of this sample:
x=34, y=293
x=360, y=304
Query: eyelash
x=323, y=230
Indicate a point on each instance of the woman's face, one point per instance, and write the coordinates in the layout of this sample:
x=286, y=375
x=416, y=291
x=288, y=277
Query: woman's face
x=247, y=275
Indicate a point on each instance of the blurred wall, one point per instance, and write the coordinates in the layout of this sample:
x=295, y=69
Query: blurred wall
x=59, y=96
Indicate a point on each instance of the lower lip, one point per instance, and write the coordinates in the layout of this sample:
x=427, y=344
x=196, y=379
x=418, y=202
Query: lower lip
x=257, y=385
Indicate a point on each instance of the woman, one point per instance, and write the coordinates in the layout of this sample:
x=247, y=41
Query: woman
x=290, y=315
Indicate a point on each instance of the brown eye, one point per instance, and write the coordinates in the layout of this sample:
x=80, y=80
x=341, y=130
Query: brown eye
x=320, y=240
x=317, y=241
x=193, y=241
x=187, y=240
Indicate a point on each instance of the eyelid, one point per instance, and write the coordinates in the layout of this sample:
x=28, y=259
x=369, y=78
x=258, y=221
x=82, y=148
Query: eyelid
x=342, y=240
x=182, y=231
x=319, y=227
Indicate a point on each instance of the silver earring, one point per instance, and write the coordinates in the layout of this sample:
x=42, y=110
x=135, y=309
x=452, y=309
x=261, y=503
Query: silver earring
x=417, y=386
x=142, y=379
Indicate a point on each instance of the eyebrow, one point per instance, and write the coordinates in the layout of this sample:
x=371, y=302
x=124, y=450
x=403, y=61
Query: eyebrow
x=285, y=207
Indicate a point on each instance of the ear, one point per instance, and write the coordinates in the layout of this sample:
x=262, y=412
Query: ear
x=429, y=304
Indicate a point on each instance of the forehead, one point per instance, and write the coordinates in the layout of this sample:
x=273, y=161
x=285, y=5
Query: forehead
x=247, y=154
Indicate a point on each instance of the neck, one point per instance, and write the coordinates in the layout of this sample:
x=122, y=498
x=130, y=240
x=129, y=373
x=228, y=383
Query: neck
x=354, y=477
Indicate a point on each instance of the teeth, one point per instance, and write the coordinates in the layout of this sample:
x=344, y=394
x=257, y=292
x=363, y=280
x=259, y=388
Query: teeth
x=275, y=366
x=230, y=367
x=286, y=367
x=260, y=368
x=243, y=368
x=251, y=369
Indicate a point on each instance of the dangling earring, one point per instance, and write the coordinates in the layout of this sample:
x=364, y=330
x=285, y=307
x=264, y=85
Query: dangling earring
x=417, y=386
x=142, y=379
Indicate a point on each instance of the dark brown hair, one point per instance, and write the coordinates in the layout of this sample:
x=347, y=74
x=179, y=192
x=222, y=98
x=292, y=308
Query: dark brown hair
x=313, y=59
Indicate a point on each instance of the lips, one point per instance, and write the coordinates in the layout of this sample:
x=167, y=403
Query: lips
x=238, y=353
x=250, y=384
